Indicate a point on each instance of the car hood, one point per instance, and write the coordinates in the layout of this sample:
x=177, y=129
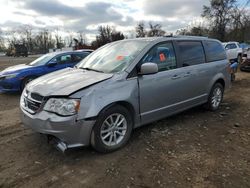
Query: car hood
x=65, y=82
x=15, y=68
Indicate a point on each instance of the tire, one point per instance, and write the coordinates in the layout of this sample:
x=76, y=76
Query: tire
x=215, y=97
x=104, y=132
x=26, y=81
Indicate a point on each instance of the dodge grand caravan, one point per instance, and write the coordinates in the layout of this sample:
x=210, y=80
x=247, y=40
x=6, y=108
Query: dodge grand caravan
x=122, y=86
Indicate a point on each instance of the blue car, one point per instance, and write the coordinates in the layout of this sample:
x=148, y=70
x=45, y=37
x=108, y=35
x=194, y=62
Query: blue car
x=15, y=78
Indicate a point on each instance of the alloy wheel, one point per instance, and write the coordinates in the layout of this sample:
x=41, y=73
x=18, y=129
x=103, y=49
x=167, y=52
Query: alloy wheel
x=113, y=129
x=217, y=97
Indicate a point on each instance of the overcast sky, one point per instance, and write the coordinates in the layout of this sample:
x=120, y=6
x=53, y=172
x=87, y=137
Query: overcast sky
x=86, y=15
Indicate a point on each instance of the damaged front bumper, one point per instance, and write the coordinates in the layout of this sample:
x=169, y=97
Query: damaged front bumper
x=66, y=132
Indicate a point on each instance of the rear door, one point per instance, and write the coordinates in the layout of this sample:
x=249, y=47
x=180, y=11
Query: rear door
x=195, y=78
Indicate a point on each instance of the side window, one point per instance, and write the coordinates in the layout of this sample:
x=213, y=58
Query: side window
x=228, y=47
x=78, y=57
x=163, y=55
x=191, y=52
x=63, y=59
x=214, y=51
x=233, y=46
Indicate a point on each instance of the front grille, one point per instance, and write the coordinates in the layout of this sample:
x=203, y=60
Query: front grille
x=31, y=102
x=36, y=96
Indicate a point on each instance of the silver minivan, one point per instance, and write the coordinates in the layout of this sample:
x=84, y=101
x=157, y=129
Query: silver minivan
x=124, y=85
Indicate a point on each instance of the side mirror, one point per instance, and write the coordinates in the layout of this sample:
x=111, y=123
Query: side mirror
x=148, y=68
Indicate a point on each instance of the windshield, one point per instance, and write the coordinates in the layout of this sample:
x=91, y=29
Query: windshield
x=42, y=60
x=113, y=57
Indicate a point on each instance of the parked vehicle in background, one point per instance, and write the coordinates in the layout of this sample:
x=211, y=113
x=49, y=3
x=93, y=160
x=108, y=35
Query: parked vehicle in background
x=124, y=85
x=234, y=51
x=244, y=47
x=17, y=50
x=245, y=65
x=20, y=50
x=15, y=78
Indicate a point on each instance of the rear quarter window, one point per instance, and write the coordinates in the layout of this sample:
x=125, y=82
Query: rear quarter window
x=191, y=52
x=215, y=51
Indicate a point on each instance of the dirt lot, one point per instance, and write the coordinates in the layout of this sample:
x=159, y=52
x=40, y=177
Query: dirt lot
x=196, y=148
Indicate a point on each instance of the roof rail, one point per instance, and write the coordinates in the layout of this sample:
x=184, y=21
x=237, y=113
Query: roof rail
x=186, y=36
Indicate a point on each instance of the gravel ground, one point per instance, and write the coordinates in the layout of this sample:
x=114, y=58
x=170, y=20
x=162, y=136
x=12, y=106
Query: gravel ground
x=196, y=148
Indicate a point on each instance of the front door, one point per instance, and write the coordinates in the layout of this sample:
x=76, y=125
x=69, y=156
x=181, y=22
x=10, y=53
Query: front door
x=60, y=62
x=160, y=92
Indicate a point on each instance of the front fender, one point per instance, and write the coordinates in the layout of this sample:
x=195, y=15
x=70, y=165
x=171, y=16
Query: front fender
x=99, y=96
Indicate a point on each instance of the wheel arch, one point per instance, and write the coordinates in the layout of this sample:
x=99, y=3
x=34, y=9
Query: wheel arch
x=219, y=78
x=221, y=81
x=124, y=104
x=25, y=77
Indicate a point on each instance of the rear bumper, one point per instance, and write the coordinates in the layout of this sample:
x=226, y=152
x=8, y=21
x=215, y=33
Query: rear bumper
x=69, y=130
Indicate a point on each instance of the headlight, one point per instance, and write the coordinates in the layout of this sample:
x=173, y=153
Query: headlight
x=9, y=76
x=64, y=107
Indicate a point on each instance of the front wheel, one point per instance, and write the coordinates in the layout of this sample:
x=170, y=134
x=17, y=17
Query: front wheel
x=26, y=81
x=112, y=129
x=215, y=97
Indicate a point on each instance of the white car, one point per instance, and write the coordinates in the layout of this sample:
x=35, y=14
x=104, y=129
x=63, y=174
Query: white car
x=234, y=51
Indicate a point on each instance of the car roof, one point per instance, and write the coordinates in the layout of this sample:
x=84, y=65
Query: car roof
x=84, y=50
x=69, y=51
x=177, y=37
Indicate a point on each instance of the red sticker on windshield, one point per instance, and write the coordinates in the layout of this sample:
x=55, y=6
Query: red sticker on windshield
x=162, y=57
x=120, y=58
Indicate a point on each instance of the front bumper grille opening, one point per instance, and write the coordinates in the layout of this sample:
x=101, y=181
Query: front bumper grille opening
x=32, y=102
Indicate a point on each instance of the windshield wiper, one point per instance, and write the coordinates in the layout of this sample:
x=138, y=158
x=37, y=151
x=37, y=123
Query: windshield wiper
x=90, y=69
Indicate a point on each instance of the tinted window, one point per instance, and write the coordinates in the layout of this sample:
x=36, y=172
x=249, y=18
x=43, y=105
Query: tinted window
x=215, y=51
x=163, y=55
x=191, y=52
x=63, y=59
x=78, y=57
x=231, y=46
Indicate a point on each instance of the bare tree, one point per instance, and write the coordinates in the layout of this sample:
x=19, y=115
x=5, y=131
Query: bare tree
x=107, y=34
x=2, y=41
x=155, y=30
x=140, y=30
x=59, y=42
x=218, y=13
x=82, y=38
x=194, y=31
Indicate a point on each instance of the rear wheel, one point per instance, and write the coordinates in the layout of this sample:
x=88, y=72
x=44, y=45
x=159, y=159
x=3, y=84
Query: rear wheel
x=215, y=97
x=112, y=129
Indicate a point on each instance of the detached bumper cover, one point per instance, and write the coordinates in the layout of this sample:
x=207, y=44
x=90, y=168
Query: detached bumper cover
x=72, y=132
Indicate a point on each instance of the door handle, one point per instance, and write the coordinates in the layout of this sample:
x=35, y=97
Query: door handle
x=175, y=77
